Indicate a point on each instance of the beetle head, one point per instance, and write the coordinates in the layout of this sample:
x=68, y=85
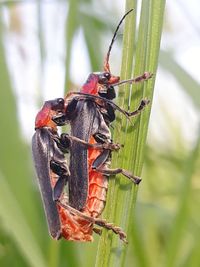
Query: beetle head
x=106, y=78
x=50, y=109
x=102, y=83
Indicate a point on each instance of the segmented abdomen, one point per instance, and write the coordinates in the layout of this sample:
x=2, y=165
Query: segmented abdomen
x=74, y=227
x=98, y=184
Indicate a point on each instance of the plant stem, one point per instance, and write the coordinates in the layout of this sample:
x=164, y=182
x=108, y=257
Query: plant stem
x=122, y=194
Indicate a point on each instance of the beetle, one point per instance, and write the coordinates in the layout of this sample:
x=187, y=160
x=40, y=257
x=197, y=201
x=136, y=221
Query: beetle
x=86, y=114
x=48, y=150
x=90, y=113
x=47, y=154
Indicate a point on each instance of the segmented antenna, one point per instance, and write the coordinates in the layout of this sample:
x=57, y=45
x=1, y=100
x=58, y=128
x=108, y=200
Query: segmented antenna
x=106, y=62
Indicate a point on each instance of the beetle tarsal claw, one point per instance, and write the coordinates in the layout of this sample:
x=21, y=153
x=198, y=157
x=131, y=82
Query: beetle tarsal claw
x=133, y=178
x=110, y=226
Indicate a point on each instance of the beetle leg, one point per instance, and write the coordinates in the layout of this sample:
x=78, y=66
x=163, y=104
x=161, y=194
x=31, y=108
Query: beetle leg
x=109, y=146
x=97, y=231
x=65, y=138
x=109, y=115
x=110, y=226
x=100, y=138
x=63, y=175
x=57, y=168
x=102, y=158
x=100, y=222
x=144, y=77
x=59, y=186
x=104, y=102
x=134, y=179
x=63, y=144
x=143, y=104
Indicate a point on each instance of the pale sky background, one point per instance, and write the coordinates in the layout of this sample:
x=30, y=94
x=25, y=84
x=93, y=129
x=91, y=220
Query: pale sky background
x=181, y=35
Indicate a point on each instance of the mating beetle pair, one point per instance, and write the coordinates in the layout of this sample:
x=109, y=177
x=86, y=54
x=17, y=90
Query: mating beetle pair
x=74, y=196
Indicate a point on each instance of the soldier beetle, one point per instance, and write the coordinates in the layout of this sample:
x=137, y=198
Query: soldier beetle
x=74, y=214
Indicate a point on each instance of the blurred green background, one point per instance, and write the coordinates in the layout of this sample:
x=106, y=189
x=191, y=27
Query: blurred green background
x=38, y=42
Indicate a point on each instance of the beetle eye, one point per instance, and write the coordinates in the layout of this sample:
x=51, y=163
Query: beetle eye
x=58, y=104
x=107, y=75
x=60, y=101
x=104, y=77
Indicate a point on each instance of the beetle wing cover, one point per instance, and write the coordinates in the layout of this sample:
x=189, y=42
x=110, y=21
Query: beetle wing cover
x=82, y=126
x=41, y=149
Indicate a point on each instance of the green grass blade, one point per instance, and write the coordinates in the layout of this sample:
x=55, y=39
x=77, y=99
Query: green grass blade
x=140, y=252
x=177, y=233
x=89, y=25
x=71, y=27
x=14, y=223
x=18, y=210
x=121, y=198
x=14, y=168
x=154, y=12
x=104, y=247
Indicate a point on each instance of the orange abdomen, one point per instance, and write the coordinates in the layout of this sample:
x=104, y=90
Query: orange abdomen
x=98, y=184
x=74, y=227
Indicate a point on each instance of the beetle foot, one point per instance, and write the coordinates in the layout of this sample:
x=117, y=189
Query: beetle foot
x=143, y=104
x=110, y=226
x=129, y=175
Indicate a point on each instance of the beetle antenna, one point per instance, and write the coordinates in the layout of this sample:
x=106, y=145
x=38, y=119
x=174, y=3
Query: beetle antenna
x=106, y=62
